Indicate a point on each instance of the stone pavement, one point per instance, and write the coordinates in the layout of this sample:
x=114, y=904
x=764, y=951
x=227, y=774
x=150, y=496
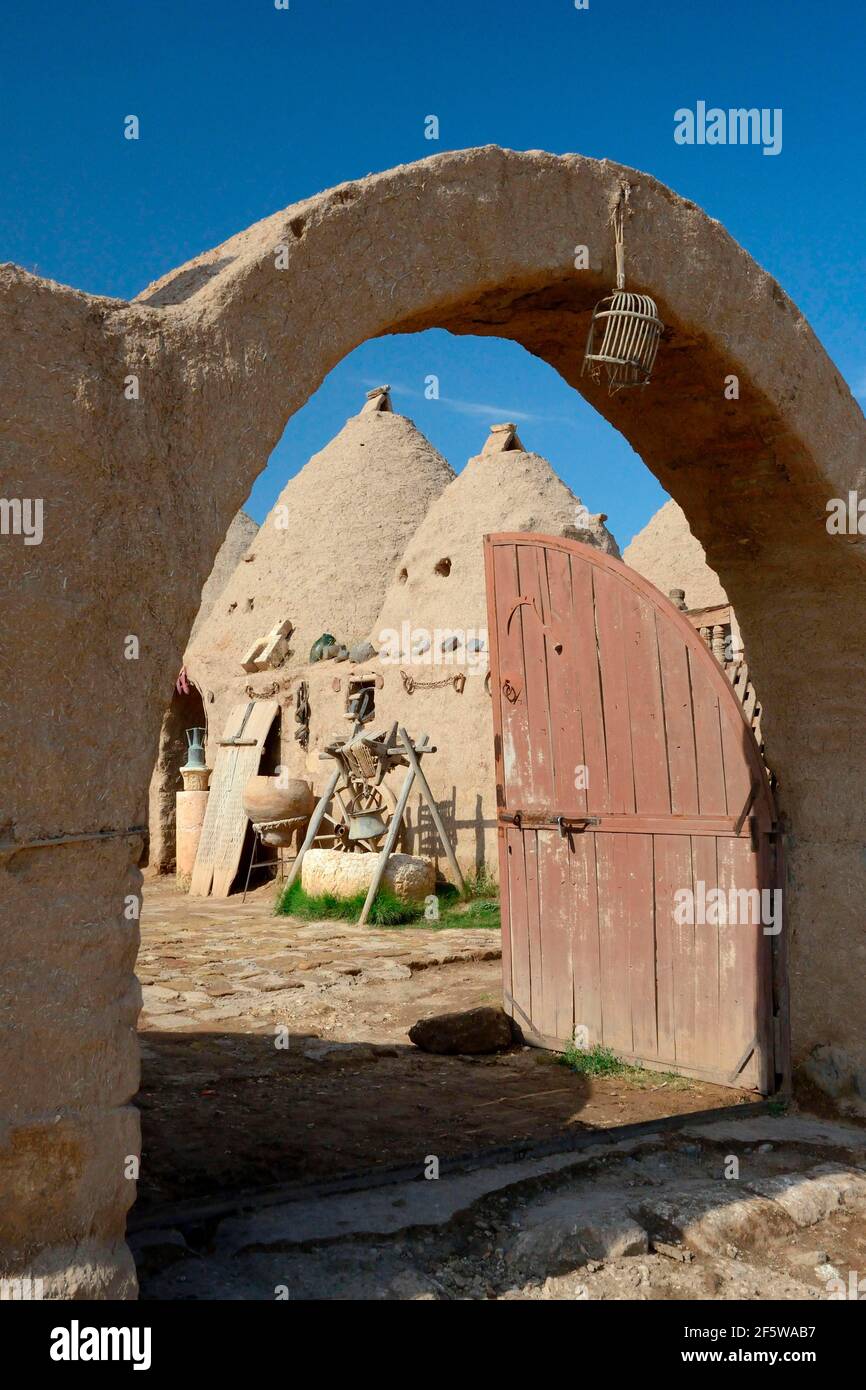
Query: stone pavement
x=275, y=1051
x=207, y=963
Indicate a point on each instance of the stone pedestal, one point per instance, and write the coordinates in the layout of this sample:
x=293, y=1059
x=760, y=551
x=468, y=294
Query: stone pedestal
x=190, y=807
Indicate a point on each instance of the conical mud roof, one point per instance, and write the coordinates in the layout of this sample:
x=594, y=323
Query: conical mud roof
x=439, y=582
x=667, y=554
x=327, y=551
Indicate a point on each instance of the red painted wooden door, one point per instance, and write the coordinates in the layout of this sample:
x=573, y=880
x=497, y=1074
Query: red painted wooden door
x=637, y=847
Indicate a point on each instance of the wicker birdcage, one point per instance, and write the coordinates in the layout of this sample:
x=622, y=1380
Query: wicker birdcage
x=625, y=328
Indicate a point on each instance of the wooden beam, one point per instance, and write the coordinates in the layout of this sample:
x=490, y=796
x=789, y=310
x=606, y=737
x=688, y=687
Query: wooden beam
x=415, y=764
x=390, y=841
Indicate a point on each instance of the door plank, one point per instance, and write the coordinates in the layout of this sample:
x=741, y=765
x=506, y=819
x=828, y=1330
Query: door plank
x=516, y=751
x=738, y=772
x=741, y=944
x=505, y=913
x=612, y=856
x=565, y=704
x=672, y=865
x=556, y=909
x=584, y=646
x=646, y=710
x=519, y=923
x=708, y=739
x=706, y=958
x=640, y=911
x=585, y=939
x=533, y=927
x=533, y=618
x=679, y=720
x=614, y=685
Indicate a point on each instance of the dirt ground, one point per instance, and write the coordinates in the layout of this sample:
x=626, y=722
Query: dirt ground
x=275, y=1051
x=756, y=1208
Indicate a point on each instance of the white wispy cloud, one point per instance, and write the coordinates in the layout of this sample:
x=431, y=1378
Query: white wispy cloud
x=495, y=413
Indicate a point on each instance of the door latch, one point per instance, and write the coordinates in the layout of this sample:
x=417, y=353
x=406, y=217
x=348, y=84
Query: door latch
x=568, y=824
x=531, y=820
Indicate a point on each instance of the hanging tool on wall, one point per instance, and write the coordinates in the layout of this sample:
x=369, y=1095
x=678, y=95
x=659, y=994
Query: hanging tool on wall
x=302, y=714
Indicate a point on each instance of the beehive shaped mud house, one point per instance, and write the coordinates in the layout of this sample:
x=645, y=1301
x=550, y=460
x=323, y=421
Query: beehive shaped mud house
x=395, y=556
x=667, y=554
x=325, y=553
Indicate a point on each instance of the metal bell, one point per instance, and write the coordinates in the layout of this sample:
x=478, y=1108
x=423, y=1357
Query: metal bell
x=369, y=825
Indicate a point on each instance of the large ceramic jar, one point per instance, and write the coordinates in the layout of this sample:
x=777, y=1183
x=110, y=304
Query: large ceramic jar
x=266, y=798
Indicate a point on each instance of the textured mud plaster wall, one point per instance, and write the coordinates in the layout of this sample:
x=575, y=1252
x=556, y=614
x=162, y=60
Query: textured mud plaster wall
x=239, y=538
x=226, y=348
x=460, y=772
x=324, y=554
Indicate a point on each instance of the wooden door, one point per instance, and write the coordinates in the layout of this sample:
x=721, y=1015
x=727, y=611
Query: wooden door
x=639, y=865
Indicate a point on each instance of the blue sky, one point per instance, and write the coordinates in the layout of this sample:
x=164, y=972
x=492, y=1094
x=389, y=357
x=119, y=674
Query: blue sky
x=245, y=108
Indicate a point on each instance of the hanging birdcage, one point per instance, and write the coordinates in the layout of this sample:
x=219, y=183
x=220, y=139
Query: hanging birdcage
x=625, y=328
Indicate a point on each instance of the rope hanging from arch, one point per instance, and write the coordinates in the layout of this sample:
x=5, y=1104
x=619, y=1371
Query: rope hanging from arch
x=627, y=325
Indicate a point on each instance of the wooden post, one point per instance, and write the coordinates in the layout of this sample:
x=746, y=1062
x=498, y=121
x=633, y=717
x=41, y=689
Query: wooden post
x=313, y=828
x=390, y=841
x=415, y=764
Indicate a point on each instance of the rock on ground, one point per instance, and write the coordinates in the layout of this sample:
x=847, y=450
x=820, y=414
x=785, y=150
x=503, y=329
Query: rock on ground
x=476, y=1030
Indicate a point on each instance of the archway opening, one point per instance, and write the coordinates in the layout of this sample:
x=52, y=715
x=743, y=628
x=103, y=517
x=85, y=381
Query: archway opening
x=477, y=242
x=344, y=1000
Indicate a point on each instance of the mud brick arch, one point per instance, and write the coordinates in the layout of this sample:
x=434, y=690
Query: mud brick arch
x=139, y=493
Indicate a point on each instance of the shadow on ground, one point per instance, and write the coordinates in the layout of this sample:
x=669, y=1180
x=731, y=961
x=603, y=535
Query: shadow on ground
x=225, y=1113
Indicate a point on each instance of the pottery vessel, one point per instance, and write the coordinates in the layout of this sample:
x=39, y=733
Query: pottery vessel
x=266, y=799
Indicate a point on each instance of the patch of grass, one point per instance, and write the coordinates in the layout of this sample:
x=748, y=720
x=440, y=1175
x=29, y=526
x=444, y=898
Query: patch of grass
x=481, y=884
x=644, y=1079
x=455, y=913
x=593, y=1061
x=481, y=914
x=603, y=1061
x=387, y=910
x=478, y=909
x=390, y=911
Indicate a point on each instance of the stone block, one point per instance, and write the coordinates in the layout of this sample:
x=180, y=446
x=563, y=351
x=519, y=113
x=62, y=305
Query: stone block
x=346, y=875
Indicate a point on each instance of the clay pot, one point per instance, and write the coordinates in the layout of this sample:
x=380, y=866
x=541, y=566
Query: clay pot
x=280, y=833
x=265, y=799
